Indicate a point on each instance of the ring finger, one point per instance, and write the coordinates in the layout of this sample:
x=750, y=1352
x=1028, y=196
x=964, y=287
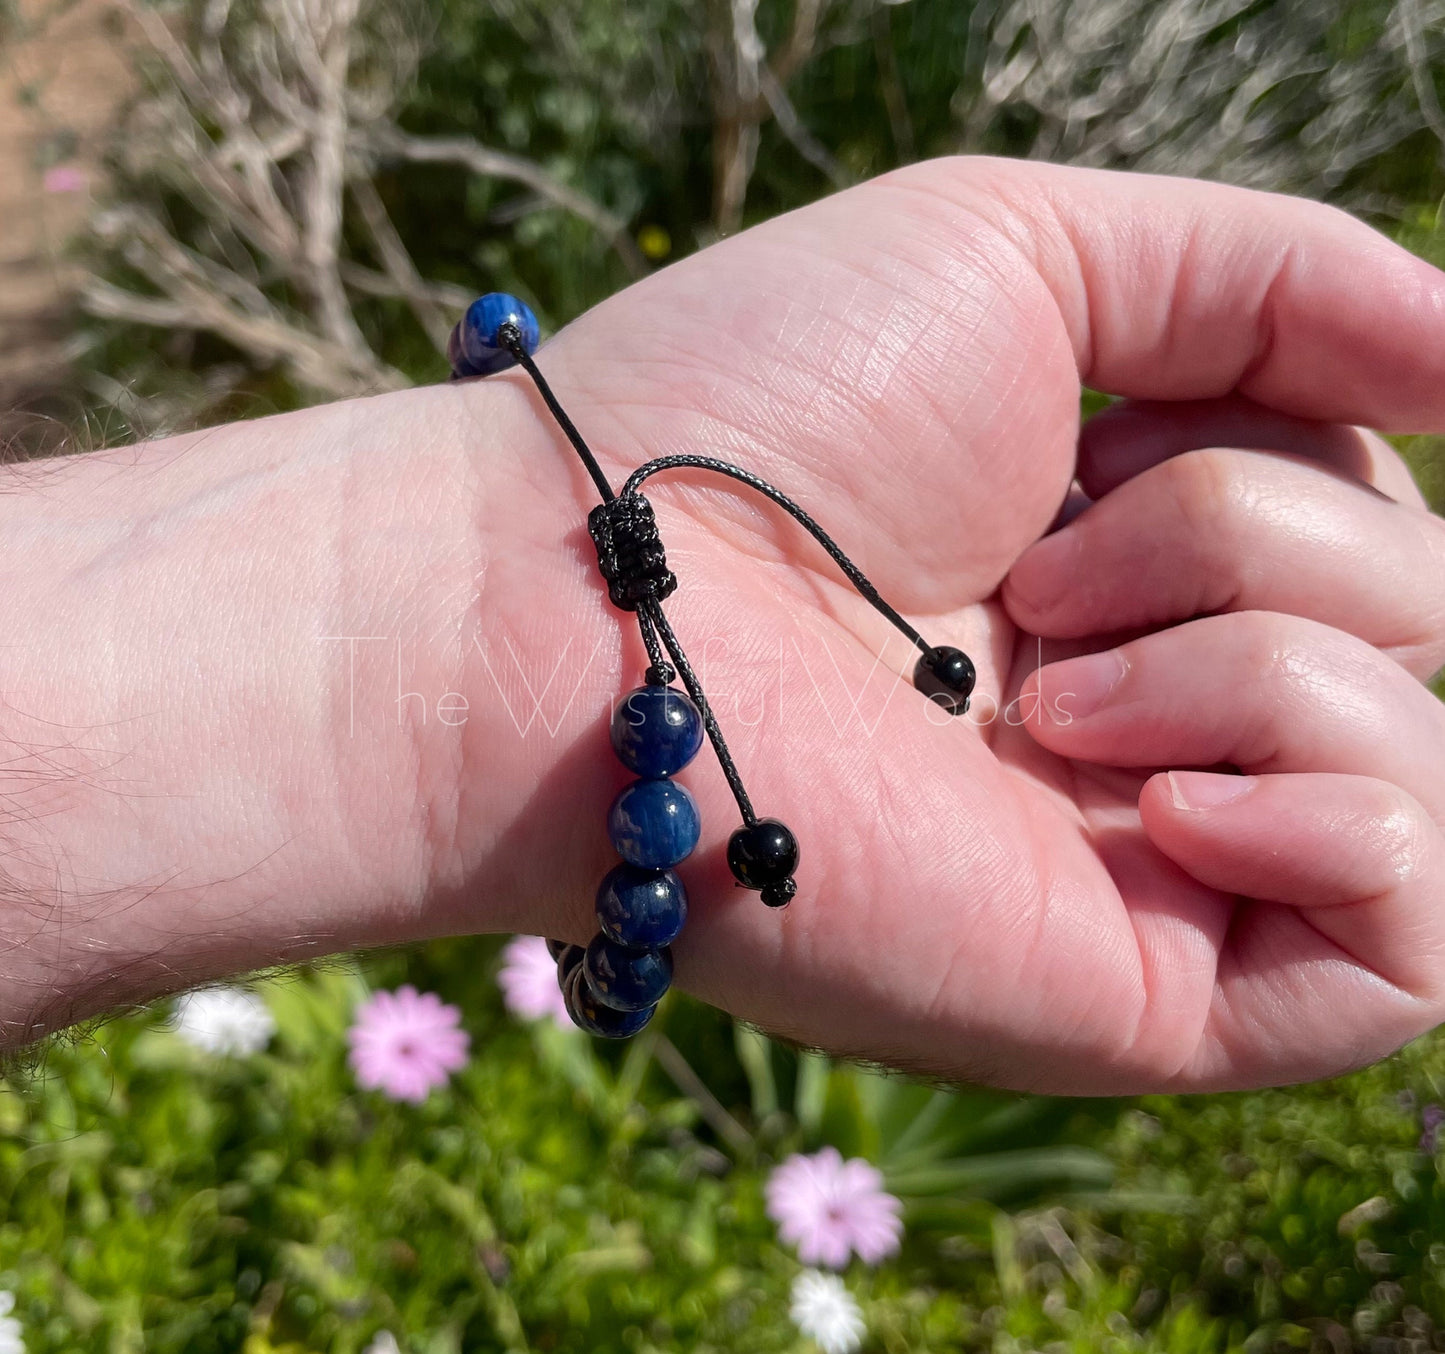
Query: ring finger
x=1260, y=691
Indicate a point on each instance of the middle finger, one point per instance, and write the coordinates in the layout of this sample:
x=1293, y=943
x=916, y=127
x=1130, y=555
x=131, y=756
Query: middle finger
x=1224, y=530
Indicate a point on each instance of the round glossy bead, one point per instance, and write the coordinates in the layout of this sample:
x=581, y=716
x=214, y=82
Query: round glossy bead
x=653, y=824
x=946, y=676
x=569, y=959
x=591, y=1015
x=762, y=854
x=643, y=909
x=626, y=980
x=473, y=349
x=656, y=730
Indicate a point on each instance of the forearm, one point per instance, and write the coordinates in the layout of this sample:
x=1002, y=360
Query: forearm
x=240, y=687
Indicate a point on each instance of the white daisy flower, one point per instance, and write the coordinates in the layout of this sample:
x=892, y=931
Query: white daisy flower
x=11, y=1334
x=230, y=1021
x=824, y=1310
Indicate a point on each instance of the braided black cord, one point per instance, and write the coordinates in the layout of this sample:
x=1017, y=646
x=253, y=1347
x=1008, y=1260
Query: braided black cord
x=855, y=575
x=660, y=672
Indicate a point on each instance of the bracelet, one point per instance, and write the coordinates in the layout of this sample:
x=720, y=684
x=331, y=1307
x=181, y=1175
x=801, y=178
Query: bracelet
x=612, y=987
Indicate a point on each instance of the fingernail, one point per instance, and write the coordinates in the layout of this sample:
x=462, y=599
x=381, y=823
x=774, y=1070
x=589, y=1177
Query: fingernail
x=1078, y=686
x=1045, y=570
x=1196, y=790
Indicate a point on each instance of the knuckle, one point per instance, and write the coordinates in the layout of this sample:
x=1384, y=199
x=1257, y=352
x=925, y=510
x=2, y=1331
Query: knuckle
x=1269, y=645
x=1298, y=672
x=1402, y=837
x=1210, y=505
x=1306, y=654
x=1204, y=487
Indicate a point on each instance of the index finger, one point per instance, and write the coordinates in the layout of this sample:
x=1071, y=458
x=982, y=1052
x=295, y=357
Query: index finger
x=1175, y=289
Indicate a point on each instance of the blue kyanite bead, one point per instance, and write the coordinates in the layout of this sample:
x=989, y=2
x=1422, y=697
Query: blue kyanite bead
x=656, y=730
x=473, y=349
x=626, y=980
x=653, y=824
x=591, y=1015
x=643, y=909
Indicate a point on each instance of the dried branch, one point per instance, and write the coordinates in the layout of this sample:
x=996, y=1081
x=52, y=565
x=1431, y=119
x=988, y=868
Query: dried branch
x=400, y=271
x=1412, y=26
x=251, y=193
x=390, y=143
x=270, y=119
x=322, y=36
x=749, y=89
x=196, y=293
x=450, y=297
x=738, y=102
x=1221, y=89
x=803, y=141
x=797, y=48
x=890, y=79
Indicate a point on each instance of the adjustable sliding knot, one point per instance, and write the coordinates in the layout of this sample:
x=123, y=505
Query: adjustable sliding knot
x=629, y=551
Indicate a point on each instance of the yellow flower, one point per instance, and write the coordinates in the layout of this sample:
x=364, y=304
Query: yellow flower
x=654, y=242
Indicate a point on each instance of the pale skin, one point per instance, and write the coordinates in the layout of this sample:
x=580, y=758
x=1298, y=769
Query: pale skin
x=201, y=777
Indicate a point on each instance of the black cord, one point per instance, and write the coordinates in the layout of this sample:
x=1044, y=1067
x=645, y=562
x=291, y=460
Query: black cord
x=651, y=621
x=510, y=337
x=856, y=576
x=709, y=721
x=637, y=571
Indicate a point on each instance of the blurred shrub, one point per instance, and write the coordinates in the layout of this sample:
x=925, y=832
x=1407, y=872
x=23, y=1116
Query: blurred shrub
x=257, y=255
x=558, y=1195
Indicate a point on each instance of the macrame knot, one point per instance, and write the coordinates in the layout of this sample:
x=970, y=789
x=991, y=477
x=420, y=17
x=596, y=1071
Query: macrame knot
x=629, y=551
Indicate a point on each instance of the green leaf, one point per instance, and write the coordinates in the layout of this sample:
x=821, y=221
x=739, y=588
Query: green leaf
x=996, y=1175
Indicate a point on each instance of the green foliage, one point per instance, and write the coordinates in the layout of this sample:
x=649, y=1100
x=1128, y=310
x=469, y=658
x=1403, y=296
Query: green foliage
x=564, y=1195
x=1316, y=1208
x=558, y=1195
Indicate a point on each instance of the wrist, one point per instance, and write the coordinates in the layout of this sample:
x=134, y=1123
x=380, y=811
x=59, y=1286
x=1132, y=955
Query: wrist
x=211, y=761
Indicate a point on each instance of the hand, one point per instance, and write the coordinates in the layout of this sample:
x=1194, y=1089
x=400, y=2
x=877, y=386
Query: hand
x=1025, y=899
x=1014, y=902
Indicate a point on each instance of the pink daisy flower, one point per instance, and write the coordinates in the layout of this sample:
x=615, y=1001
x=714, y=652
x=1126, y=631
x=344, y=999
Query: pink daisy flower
x=830, y=1208
x=405, y=1043
x=528, y=979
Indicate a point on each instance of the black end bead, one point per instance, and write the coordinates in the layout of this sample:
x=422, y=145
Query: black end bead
x=763, y=855
x=556, y=948
x=946, y=676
